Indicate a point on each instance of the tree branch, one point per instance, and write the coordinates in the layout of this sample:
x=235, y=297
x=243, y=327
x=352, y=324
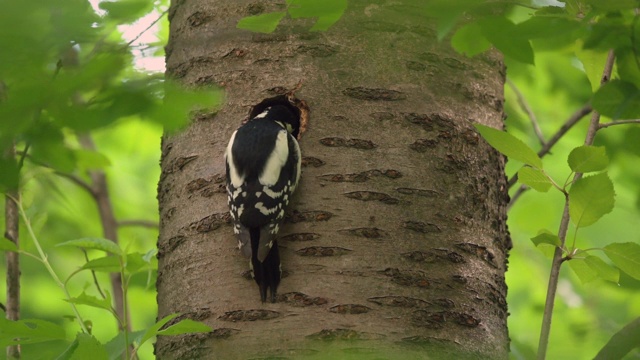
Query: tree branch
x=557, y=261
x=618, y=122
x=527, y=109
x=12, y=221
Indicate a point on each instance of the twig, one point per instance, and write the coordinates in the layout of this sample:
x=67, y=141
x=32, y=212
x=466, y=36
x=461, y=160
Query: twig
x=618, y=122
x=11, y=219
x=148, y=27
x=527, y=109
x=78, y=181
x=141, y=223
x=573, y=119
x=521, y=190
x=557, y=261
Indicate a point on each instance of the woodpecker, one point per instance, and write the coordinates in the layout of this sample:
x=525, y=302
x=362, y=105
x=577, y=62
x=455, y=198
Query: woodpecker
x=263, y=170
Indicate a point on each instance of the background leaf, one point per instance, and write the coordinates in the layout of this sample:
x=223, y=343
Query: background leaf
x=94, y=243
x=534, y=178
x=618, y=99
x=626, y=256
x=588, y=158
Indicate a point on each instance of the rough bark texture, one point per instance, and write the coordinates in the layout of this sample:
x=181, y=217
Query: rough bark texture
x=395, y=245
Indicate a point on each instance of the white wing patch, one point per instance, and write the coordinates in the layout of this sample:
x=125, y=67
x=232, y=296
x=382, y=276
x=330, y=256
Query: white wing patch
x=236, y=178
x=276, y=161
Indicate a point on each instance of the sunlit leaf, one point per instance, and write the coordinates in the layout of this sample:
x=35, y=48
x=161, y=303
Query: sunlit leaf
x=103, y=264
x=90, y=160
x=534, y=178
x=546, y=237
x=509, y=145
x=626, y=256
x=590, y=198
x=584, y=272
x=593, y=62
x=94, y=243
x=153, y=330
x=604, y=270
x=126, y=11
x=588, y=159
x=263, y=23
x=184, y=327
x=116, y=346
x=328, y=12
x=469, y=40
x=88, y=300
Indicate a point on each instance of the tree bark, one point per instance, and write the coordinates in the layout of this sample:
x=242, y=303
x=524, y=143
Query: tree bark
x=395, y=244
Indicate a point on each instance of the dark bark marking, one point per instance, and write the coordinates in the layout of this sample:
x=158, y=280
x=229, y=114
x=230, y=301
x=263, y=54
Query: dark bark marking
x=422, y=145
x=249, y=315
x=361, y=176
x=351, y=143
x=311, y=161
x=255, y=9
x=278, y=90
x=321, y=251
x=366, y=232
x=317, y=50
x=224, y=333
x=179, y=163
x=343, y=334
x=235, y=52
x=399, y=301
x=299, y=299
x=429, y=122
x=455, y=63
x=210, y=223
x=363, y=93
x=413, y=278
x=209, y=186
x=434, y=255
x=196, y=314
x=380, y=116
x=349, y=309
x=198, y=18
x=372, y=196
x=435, y=320
x=299, y=237
x=186, y=347
x=471, y=136
x=421, y=227
x=428, y=341
x=479, y=251
x=265, y=38
x=418, y=192
x=415, y=65
x=300, y=216
x=168, y=246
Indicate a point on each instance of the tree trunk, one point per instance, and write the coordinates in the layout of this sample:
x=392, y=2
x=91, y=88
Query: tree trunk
x=395, y=244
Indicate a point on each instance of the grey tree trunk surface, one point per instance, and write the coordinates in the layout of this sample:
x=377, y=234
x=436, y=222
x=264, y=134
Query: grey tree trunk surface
x=395, y=245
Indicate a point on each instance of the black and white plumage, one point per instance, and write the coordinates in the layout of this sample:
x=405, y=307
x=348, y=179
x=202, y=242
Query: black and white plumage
x=263, y=170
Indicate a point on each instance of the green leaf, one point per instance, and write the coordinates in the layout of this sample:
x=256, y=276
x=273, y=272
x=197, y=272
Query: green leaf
x=618, y=99
x=28, y=332
x=155, y=328
x=103, y=264
x=588, y=159
x=626, y=256
x=469, y=40
x=126, y=11
x=590, y=198
x=89, y=348
x=534, y=178
x=604, y=270
x=94, y=243
x=583, y=270
x=92, y=301
x=184, y=327
x=116, y=346
x=593, y=62
x=7, y=245
x=509, y=145
x=328, y=12
x=263, y=23
x=546, y=237
x=503, y=34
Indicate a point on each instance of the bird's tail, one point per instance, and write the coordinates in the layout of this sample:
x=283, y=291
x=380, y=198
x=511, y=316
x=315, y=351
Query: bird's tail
x=266, y=273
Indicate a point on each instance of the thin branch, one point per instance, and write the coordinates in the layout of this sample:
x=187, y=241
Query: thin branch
x=558, y=259
x=618, y=122
x=78, y=181
x=573, y=119
x=521, y=190
x=140, y=223
x=148, y=27
x=527, y=109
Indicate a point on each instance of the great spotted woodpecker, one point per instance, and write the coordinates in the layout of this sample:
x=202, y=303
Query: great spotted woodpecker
x=263, y=170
